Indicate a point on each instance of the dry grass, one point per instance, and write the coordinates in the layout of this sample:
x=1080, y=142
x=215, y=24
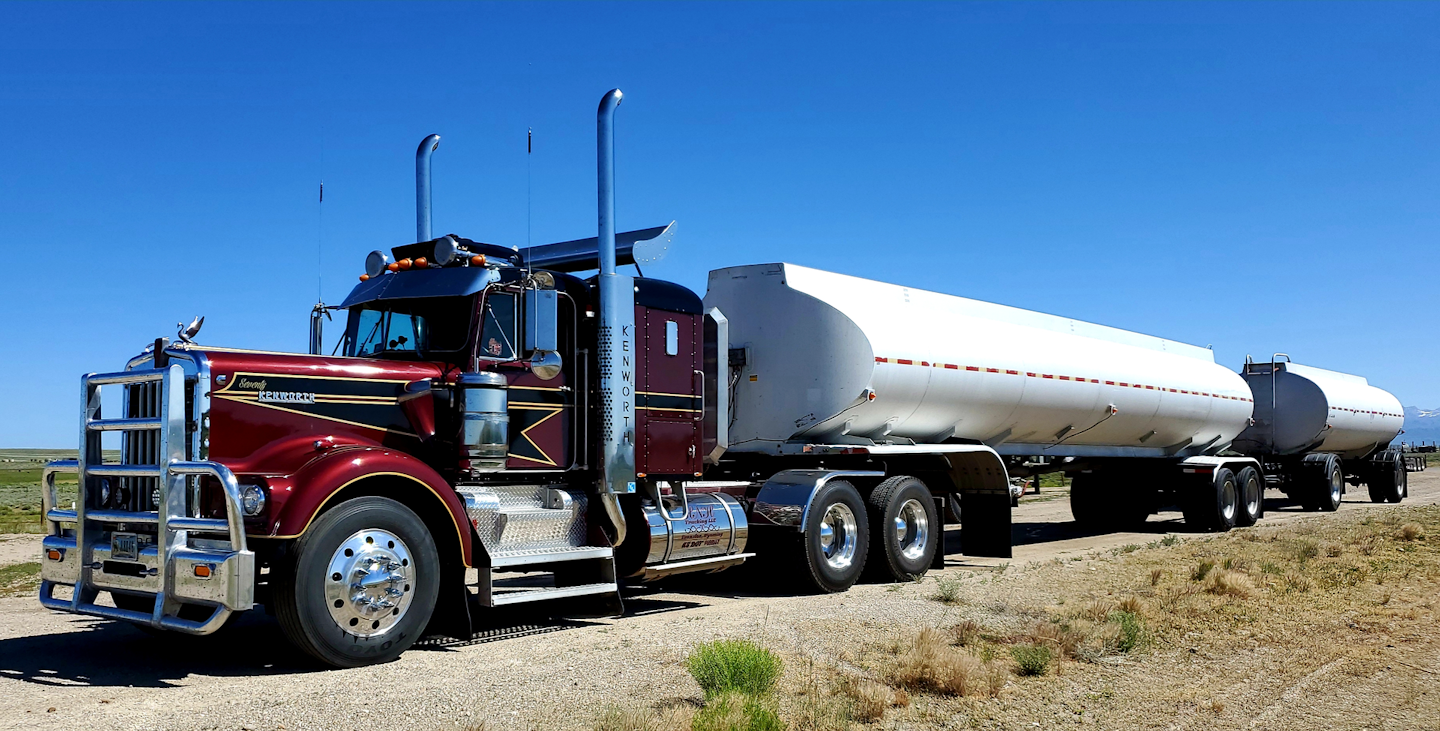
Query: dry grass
x=616, y=718
x=1140, y=637
x=965, y=633
x=1228, y=582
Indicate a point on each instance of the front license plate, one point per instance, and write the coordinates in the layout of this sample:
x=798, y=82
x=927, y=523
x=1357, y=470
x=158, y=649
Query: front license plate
x=125, y=547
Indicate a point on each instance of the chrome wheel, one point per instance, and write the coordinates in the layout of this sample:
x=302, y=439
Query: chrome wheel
x=1337, y=486
x=912, y=529
x=839, y=535
x=369, y=582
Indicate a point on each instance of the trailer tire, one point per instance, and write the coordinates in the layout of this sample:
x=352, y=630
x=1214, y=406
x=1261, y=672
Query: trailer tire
x=1086, y=505
x=905, y=529
x=1214, y=505
x=1252, y=497
x=367, y=536
x=1388, y=481
x=1324, y=482
x=836, y=538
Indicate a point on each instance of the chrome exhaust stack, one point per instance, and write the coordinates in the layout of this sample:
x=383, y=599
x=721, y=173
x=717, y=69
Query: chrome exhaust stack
x=422, y=186
x=617, y=335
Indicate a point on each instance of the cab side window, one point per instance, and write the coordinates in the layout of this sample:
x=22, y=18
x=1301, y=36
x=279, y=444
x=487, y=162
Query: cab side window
x=498, y=333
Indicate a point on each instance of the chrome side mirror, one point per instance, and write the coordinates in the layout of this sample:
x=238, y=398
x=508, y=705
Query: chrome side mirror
x=542, y=336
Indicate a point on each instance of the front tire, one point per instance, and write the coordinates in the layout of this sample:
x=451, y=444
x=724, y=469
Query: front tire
x=362, y=584
x=906, y=528
x=836, y=539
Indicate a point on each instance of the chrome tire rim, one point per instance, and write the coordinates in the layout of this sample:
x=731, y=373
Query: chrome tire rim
x=912, y=530
x=1252, y=502
x=839, y=536
x=1337, y=483
x=369, y=582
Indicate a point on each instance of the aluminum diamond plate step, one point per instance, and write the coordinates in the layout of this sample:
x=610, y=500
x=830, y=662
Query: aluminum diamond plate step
x=517, y=596
x=551, y=555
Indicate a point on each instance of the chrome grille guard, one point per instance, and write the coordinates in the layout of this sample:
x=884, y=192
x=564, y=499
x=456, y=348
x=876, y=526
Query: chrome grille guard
x=179, y=568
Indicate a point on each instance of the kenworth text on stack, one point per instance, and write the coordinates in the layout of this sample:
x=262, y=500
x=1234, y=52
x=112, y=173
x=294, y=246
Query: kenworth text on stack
x=500, y=430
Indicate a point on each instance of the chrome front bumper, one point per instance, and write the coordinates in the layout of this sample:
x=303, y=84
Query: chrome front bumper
x=186, y=564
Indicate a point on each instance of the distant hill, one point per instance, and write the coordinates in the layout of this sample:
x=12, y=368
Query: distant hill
x=1421, y=426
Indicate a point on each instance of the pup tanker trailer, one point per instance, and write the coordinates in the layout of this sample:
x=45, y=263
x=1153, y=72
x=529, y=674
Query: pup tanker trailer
x=499, y=430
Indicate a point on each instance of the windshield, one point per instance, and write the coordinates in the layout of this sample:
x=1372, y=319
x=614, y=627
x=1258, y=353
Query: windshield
x=409, y=327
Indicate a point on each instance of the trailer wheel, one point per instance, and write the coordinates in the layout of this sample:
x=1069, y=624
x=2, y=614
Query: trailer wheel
x=1214, y=506
x=1388, y=482
x=906, y=528
x=362, y=583
x=836, y=538
x=1252, y=497
x=1085, y=500
x=1324, y=482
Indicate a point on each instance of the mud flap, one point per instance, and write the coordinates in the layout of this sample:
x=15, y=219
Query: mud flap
x=451, y=617
x=985, y=524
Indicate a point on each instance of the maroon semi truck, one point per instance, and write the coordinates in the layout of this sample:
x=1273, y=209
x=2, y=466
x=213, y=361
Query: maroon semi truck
x=497, y=430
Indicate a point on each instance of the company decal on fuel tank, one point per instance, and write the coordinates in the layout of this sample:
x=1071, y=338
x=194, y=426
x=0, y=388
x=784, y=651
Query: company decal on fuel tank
x=364, y=402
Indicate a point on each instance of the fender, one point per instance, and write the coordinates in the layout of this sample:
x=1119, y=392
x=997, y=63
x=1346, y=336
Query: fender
x=299, y=498
x=784, y=499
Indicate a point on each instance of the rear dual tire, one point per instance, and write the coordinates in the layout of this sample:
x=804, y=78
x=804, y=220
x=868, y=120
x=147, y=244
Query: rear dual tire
x=1322, y=482
x=836, y=538
x=905, y=529
x=1388, y=482
x=1252, y=497
x=1215, y=505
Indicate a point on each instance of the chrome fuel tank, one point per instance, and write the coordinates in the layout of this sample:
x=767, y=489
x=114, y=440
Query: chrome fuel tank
x=715, y=525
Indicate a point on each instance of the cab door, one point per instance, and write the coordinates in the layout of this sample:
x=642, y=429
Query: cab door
x=668, y=398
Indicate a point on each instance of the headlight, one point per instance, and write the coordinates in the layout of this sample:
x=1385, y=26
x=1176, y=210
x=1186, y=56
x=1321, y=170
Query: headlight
x=252, y=499
x=104, y=491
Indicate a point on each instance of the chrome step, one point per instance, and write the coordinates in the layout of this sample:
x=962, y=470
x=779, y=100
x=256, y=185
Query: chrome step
x=710, y=563
x=519, y=596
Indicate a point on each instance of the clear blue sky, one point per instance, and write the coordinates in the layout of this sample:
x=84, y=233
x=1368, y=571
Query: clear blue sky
x=1256, y=177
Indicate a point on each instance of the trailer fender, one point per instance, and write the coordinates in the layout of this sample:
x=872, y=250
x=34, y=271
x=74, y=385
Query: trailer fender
x=300, y=498
x=785, y=498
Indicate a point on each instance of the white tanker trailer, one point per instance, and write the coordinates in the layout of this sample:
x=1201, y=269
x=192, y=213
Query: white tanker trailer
x=1314, y=422
x=842, y=373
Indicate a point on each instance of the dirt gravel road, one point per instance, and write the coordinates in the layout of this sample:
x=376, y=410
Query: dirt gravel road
x=63, y=671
